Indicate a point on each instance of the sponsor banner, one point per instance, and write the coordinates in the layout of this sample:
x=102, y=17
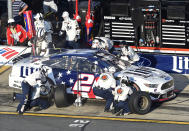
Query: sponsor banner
x=29, y=23
x=168, y=63
x=8, y=53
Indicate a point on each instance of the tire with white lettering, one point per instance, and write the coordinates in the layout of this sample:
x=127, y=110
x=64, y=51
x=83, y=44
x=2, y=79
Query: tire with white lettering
x=140, y=102
x=60, y=96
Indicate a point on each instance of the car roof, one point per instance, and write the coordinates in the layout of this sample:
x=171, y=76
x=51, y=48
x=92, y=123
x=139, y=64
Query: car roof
x=86, y=53
x=76, y=52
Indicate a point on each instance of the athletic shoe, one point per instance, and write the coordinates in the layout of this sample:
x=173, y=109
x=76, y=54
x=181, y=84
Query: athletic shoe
x=125, y=114
x=119, y=113
x=13, y=96
x=107, y=110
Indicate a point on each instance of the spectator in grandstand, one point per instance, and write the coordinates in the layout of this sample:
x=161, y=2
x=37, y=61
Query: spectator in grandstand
x=18, y=8
x=49, y=6
x=16, y=34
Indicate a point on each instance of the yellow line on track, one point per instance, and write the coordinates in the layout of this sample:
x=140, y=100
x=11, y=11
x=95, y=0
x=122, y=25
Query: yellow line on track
x=4, y=68
x=98, y=118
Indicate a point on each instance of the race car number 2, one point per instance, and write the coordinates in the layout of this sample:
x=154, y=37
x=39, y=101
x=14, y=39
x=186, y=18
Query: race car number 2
x=84, y=83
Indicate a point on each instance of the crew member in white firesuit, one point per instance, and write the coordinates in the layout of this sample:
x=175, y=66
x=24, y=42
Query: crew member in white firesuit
x=121, y=95
x=49, y=6
x=102, y=43
x=30, y=96
x=71, y=27
x=44, y=35
x=104, y=86
x=128, y=54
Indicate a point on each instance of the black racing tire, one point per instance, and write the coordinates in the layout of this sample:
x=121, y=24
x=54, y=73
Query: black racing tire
x=60, y=96
x=51, y=94
x=140, y=102
x=130, y=103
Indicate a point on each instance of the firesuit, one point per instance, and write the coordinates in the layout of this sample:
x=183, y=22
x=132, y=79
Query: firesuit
x=30, y=96
x=128, y=54
x=72, y=30
x=103, y=88
x=16, y=34
x=121, y=94
x=44, y=34
x=102, y=43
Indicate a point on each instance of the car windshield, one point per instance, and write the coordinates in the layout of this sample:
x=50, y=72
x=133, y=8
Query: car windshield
x=108, y=60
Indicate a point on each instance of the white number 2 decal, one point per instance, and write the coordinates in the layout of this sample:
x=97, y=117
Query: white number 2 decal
x=84, y=83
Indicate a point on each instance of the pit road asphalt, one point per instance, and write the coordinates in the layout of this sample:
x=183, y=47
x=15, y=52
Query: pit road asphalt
x=38, y=123
x=175, y=111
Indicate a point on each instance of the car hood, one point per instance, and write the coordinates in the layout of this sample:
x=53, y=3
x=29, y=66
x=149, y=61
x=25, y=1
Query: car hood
x=142, y=72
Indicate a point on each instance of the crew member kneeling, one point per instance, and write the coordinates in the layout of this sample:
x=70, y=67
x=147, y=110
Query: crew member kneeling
x=30, y=96
x=121, y=95
x=103, y=88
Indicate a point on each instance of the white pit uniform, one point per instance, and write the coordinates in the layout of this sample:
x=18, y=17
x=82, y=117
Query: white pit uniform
x=124, y=94
x=107, y=83
x=46, y=26
x=42, y=24
x=129, y=55
x=102, y=43
x=72, y=29
x=34, y=80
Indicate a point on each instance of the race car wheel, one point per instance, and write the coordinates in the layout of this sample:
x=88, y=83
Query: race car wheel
x=60, y=96
x=48, y=91
x=135, y=87
x=51, y=94
x=140, y=102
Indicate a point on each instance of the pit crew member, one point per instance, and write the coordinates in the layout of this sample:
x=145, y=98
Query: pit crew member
x=121, y=95
x=72, y=30
x=44, y=35
x=128, y=54
x=30, y=96
x=49, y=6
x=102, y=43
x=103, y=88
x=16, y=34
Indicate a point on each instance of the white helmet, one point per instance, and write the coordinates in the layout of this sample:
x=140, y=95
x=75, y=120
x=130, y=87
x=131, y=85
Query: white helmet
x=11, y=21
x=38, y=16
x=65, y=15
x=124, y=50
x=111, y=69
x=103, y=43
x=124, y=80
x=95, y=44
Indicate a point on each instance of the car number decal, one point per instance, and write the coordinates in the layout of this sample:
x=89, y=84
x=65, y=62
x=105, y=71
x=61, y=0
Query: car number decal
x=85, y=82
